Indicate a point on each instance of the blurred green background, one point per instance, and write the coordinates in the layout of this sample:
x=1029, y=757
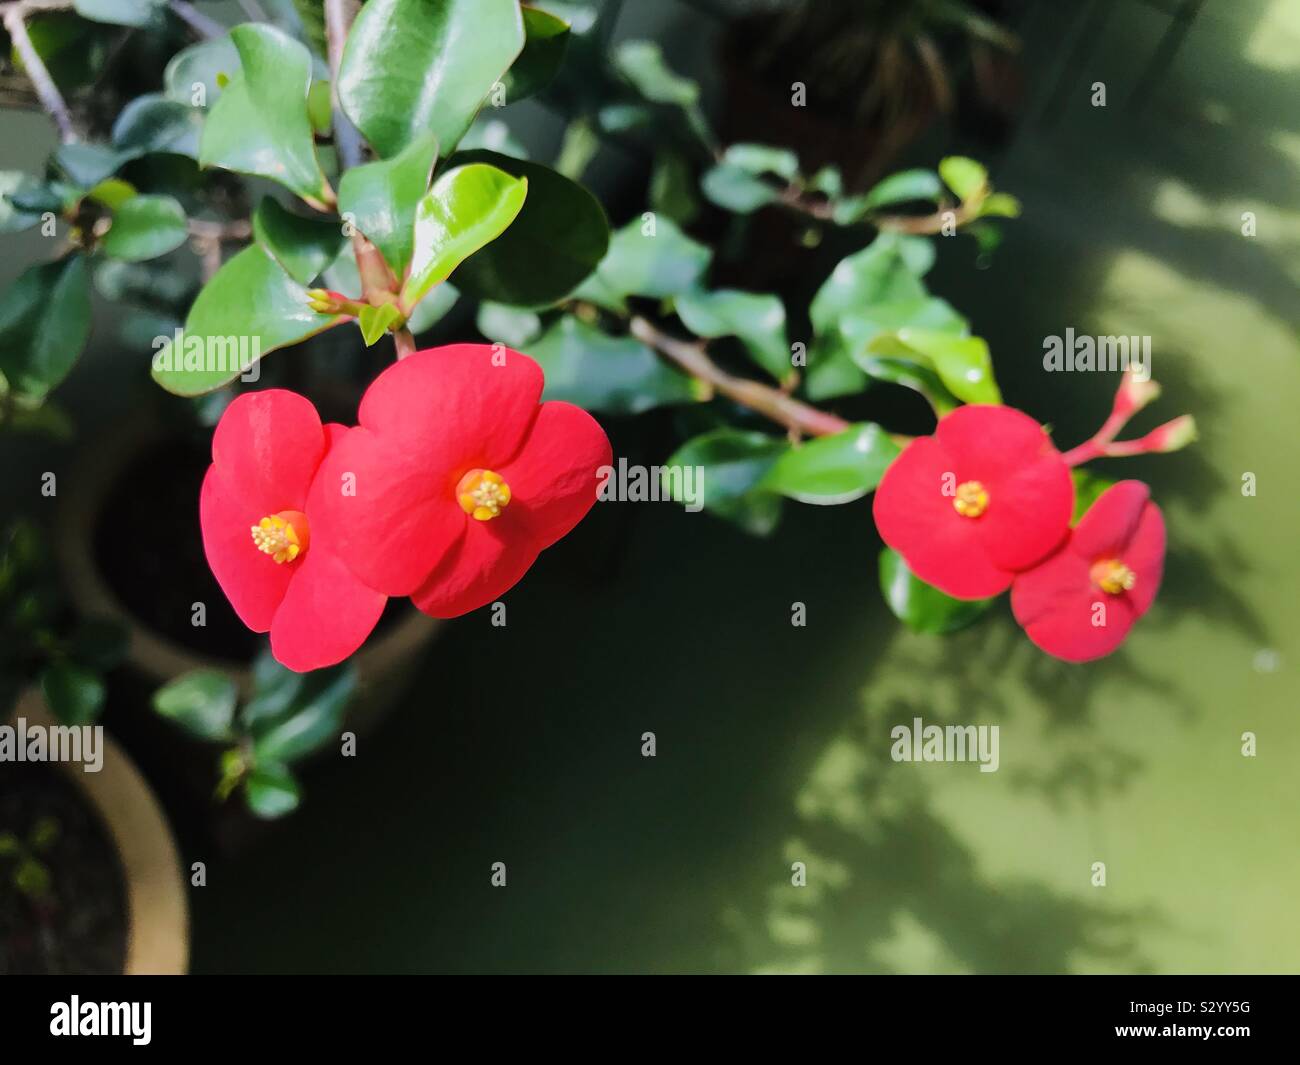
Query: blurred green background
x=523, y=744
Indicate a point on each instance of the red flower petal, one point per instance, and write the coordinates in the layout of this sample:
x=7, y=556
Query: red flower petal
x=553, y=483
x=326, y=613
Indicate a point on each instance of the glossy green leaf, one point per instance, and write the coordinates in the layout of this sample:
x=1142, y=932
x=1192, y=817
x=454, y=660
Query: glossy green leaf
x=134, y=13
x=248, y=309
x=380, y=199
x=271, y=791
x=74, y=693
x=374, y=321
x=467, y=208
x=734, y=464
x=967, y=178
x=545, y=38
x=616, y=375
x=833, y=469
x=153, y=123
x=86, y=165
x=260, y=125
x=909, y=373
x=44, y=323
x=759, y=321
x=313, y=719
x=197, y=75
x=555, y=242
x=202, y=702
x=415, y=67
x=962, y=362
x=146, y=227
x=921, y=606
x=656, y=260
x=303, y=246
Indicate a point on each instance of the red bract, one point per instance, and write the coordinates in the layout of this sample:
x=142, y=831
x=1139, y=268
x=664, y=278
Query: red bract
x=257, y=509
x=458, y=476
x=1080, y=603
x=984, y=497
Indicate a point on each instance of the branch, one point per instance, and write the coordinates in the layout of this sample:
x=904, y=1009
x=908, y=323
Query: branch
x=339, y=15
x=771, y=402
x=15, y=16
x=205, y=26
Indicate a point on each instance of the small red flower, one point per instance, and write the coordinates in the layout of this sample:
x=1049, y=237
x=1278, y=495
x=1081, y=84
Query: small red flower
x=257, y=509
x=458, y=476
x=1080, y=603
x=986, y=496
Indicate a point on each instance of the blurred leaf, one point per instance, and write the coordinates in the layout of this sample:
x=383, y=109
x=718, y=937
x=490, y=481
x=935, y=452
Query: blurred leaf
x=112, y=193
x=1088, y=486
x=413, y=67
x=660, y=263
x=320, y=107
x=274, y=690
x=1001, y=205
x=146, y=227
x=545, y=38
x=44, y=323
x=962, y=362
x=833, y=469
x=616, y=375
x=642, y=64
x=313, y=718
x=100, y=643
x=311, y=13
x=260, y=124
x=903, y=187
x=737, y=190
x=252, y=299
x=32, y=879
x=432, y=308
x=467, y=208
x=672, y=188
x=967, y=178
x=493, y=135
x=86, y=165
x=921, y=606
x=763, y=159
x=153, y=123
x=303, y=246
x=734, y=464
x=122, y=12
x=758, y=320
x=382, y=197
x=271, y=790
x=202, y=702
x=74, y=693
x=208, y=64
x=507, y=325
x=13, y=219
x=555, y=242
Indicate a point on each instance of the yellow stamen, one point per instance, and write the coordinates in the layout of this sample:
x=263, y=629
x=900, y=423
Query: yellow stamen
x=1112, y=576
x=971, y=499
x=483, y=494
x=283, y=536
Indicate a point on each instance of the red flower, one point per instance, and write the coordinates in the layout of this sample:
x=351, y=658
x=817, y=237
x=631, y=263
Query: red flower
x=257, y=509
x=458, y=476
x=983, y=498
x=1080, y=603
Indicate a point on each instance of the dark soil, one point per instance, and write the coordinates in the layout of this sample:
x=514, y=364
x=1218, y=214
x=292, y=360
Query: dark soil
x=74, y=920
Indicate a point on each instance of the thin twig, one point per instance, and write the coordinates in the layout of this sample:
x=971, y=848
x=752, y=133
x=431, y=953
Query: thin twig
x=15, y=21
x=339, y=15
x=204, y=25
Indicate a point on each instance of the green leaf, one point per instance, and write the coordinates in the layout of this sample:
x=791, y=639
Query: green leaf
x=759, y=321
x=1000, y=205
x=508, y=325
x=432, y=308
x=112, y=193
x=555, y=242
x=86, y=165
x=672, y=187
x=737, y=190
x=657, y=262
x=202, y=702
x=275, y=688
x=414, y=67
x=153, y=123
x=962, y=362
x=381, y=199
x=904, y=187
x=921, y=606
x=374, y=321
x=734, y=464
x=271, y=791
x=545, y=39
x=44, y=323
x=1088, y=486
x=196, y=75
x=910, y=374
x=74, y=693
x=833, y=469
x=146, y=227
x=642, y=64
x=260, y=123
x=763, y=159
x=121, y=12
x=303, y=246
x=616, y=375
x=313, y=719
x=248, y=309
x=468, y=207
x=13, y=218
x=967, y=178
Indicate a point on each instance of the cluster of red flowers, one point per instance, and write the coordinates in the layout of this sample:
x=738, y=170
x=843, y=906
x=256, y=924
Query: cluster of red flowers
x=455, y=479
x=985, y=504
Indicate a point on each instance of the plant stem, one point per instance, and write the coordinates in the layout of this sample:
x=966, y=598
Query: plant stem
x=206, y=27
x=339, y=15
x=771, y=402
x=47, y=92
x=404, y=342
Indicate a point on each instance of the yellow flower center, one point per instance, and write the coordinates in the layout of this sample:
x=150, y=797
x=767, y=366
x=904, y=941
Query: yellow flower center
x=283, y=536
x=1112, y=576
x=971, y=499
x=483, y=494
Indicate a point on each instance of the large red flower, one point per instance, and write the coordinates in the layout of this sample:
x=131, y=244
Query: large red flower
x=986, y=496
x=1080, y=603
x=458, y=476
x=257, y=509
